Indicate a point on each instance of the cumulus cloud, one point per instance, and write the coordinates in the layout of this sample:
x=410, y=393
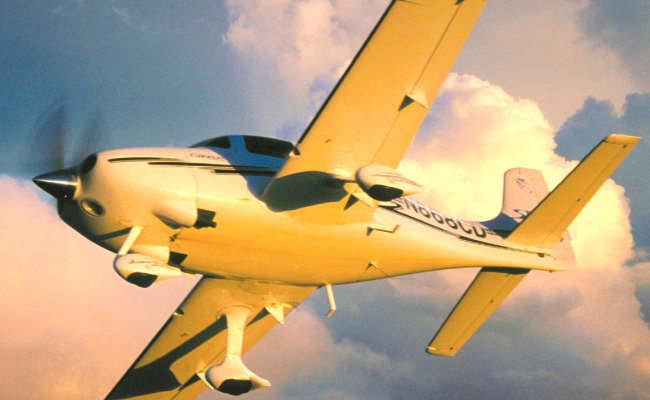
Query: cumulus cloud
x=572, y=335
x=295, y=51
x=621, y=27
x=310, y=42
x=477, y=130
x=579, y=333
x=598, y=118
x=71, y=326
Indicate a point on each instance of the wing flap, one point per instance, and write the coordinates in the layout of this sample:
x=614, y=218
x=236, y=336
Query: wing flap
x=546, y=224
x=376, y=108
x=194, y=337
x=490, y=287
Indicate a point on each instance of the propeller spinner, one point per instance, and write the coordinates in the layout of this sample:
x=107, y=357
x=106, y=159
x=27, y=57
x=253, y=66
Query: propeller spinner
x=61, y=184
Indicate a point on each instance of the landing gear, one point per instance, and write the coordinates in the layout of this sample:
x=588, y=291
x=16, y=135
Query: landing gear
x=232, y=376
x=139, y=269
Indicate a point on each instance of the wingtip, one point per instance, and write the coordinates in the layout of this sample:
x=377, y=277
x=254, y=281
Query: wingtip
x=617, y=138
x=441, y=352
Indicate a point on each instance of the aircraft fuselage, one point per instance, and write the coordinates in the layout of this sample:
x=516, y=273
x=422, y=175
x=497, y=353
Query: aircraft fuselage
x=241, y=238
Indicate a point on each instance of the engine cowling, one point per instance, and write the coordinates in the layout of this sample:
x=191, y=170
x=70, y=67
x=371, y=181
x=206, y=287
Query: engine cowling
x=384, y=183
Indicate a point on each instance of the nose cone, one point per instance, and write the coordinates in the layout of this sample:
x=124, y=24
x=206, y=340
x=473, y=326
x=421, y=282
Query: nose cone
x=61, y=184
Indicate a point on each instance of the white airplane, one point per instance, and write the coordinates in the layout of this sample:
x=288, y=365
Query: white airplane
x=267, y=222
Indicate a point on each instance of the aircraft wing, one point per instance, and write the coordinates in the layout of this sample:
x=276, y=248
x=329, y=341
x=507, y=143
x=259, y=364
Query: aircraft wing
x=376, y=108
x=488, y=289
x=194, y=337
x=546, y=224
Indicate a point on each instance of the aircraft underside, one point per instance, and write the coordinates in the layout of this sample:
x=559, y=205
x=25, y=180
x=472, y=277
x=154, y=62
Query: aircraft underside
x=267, y=222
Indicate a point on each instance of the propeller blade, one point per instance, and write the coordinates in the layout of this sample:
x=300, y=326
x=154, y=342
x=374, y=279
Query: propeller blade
x=93, y=137
x=49, y=136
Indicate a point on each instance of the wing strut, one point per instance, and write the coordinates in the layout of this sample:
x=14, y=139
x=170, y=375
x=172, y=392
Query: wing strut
x=330, y=298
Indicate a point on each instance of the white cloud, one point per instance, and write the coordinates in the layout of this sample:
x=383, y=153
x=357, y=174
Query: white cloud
x=308, y=42
x=536, y=50
x=578, y=332
x=598, y=118
x=475, y=133
x=71, y=327
x=570, y=335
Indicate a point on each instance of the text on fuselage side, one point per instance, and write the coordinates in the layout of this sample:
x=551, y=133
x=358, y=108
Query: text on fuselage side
x=422, y=213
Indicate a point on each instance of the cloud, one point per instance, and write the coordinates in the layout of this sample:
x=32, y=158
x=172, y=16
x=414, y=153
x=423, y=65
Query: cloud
x=621, y=26
x=304, y=40
x=71, y=327
x=477, y=128
x=597, y=119
x=572, y=335
x=294, y=52
x=576, y=334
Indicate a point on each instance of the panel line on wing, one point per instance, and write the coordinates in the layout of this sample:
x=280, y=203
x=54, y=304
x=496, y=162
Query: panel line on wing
x=435, y=49
x=416, y=95
x=340, y=81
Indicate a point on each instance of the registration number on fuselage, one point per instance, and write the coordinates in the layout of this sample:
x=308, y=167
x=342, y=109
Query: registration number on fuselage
x=417, y=211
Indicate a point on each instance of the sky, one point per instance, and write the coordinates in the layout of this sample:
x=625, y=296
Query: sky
x=537, y=85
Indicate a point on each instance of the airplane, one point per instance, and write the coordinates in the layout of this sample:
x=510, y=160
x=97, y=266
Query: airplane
x=266, y=222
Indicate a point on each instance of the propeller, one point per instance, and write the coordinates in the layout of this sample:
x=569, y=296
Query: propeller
x=49, y=138
x=49, y=133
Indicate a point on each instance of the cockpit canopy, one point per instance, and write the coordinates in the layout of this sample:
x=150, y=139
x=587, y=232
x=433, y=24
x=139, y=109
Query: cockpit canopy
x=253, y=144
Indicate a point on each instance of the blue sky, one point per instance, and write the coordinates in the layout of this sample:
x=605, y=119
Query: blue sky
x=177, y=72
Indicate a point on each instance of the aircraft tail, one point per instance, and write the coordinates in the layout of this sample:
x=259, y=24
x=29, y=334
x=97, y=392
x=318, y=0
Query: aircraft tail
x=546, y=224
x=523, y=190
x=530, y=216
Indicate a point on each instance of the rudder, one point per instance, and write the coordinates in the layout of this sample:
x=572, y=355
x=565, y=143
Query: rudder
x=546, y=224
x=523, y=190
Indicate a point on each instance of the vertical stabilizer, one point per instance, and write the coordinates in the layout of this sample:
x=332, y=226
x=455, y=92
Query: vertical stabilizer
x=523, y=189
x=545, y=226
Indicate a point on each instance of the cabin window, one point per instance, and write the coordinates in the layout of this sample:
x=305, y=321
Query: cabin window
x=267, y=146
x=222, y=142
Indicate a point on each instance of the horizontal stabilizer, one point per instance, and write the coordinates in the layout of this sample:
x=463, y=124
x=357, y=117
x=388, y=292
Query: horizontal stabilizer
x=545, y=225
x=490, y=287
